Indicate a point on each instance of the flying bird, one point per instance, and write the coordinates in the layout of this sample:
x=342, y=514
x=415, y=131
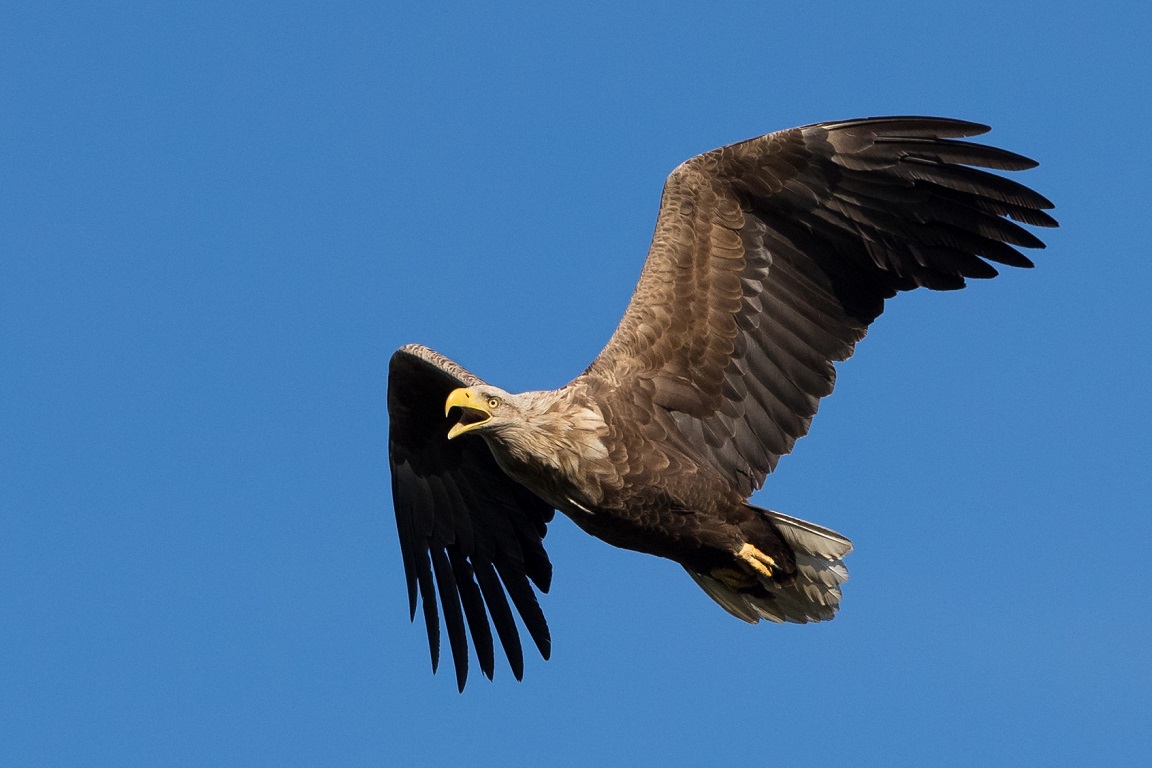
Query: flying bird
x=770, y=259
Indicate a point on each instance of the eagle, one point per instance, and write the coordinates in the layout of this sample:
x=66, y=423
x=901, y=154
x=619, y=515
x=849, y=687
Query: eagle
x=769, y=260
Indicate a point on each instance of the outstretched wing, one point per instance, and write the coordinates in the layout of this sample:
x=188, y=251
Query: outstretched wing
x=467, y=530
x=772, y=256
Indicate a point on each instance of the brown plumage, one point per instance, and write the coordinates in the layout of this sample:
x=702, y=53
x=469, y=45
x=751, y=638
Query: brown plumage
x=770, y=259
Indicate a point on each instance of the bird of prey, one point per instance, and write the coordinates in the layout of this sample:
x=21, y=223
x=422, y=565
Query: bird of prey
x=770, y=259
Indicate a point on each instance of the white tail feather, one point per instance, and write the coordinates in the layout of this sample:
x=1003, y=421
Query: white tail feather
x=809, y=537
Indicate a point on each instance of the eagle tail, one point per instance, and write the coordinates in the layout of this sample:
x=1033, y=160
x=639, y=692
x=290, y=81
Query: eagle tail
x=811, y=594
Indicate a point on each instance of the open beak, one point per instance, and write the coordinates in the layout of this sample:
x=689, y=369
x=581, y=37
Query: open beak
x=473, y=411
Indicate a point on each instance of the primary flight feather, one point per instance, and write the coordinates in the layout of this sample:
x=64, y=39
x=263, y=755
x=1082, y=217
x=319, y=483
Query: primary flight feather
x=770, y=259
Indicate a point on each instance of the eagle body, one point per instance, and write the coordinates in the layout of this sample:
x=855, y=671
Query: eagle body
x=583, y=467
x=769, y=260
x=563, y=449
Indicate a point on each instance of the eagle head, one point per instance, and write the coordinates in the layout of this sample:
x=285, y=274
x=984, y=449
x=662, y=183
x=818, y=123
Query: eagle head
x=480, y=408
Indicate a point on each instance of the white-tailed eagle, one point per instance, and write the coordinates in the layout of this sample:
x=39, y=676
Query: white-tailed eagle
x=770, y=259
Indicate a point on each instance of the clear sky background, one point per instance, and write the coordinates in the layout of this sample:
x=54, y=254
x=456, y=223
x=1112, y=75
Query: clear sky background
x=217, y=221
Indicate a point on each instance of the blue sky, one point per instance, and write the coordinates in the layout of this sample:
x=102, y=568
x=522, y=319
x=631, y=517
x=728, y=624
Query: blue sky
x=217, y=220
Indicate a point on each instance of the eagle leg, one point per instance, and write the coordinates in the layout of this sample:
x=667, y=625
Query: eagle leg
x=736, y=578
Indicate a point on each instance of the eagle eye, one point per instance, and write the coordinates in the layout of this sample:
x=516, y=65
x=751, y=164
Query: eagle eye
x=493, y=402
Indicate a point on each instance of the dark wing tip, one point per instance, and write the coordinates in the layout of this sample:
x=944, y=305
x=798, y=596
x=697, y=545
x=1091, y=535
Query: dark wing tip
x=912, y=126
x=456, y=512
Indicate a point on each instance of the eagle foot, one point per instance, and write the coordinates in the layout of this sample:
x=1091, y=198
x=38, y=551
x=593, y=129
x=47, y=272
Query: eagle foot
x=759, y=561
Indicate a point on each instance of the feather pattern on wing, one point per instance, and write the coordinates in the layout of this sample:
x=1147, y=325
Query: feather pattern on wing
x=772, y=256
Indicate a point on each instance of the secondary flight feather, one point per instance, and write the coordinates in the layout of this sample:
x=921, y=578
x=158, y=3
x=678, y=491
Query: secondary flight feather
x=770, y=259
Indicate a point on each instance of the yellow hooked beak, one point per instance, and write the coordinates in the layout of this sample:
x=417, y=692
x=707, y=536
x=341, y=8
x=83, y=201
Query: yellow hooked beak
x=473, y=411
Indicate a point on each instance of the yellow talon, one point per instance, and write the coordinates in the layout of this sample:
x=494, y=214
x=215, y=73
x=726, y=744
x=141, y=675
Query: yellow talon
x=757, y=559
